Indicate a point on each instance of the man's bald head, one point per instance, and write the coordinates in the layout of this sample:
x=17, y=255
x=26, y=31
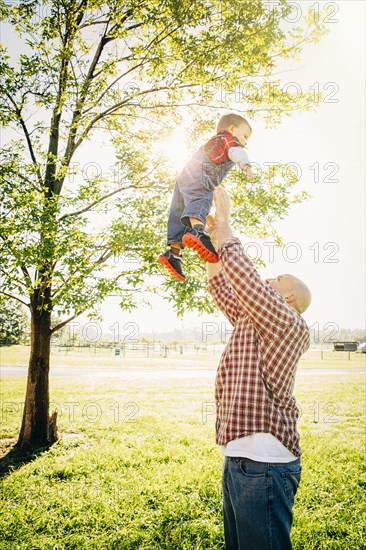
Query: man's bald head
x=293, y=290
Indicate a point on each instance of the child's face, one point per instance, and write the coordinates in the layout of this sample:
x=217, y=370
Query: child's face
x=241, y=132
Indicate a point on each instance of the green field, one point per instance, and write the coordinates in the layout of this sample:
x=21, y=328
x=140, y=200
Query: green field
x=137, y=466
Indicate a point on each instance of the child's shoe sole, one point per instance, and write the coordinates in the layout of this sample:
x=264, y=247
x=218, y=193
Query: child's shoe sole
x=193, y=242
x=162, y=259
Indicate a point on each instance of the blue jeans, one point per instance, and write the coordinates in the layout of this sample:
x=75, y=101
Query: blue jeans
x=190, y=200
x=257, y=503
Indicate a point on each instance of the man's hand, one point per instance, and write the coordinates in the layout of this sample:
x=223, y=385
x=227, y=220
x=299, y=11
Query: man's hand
x=211, y=228
x=222, y=203
x=218, y=227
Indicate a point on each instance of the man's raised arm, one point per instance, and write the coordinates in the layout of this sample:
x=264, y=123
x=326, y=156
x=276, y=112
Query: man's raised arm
x=268, y=311
x=218, y=285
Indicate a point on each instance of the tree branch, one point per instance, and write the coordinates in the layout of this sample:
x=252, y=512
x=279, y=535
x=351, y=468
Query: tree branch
x=98, y=201
x=143, y=62
x=119, y=60
x=90, y=206
x=89, y=24
x=145, y=58
x=70, y=146
x=135, y=26
x=27, y=180
x=63, y=323
x=292, y=47
x=111, y=86
x=106, y=38
x=111, y=110
x=127, y=15
x=18, y=113
x=22, y=267
x=107, y=253
x=9, y=276
x=104, y=257
x=14, y=298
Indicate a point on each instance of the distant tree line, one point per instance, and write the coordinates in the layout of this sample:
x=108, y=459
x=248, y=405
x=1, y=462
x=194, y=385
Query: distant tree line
x=15, y=329
x=14, y=324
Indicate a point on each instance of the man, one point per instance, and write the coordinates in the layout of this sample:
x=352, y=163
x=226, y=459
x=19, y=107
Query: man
x=256, y=409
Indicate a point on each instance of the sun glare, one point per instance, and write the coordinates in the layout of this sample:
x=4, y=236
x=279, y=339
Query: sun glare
x=175, y=149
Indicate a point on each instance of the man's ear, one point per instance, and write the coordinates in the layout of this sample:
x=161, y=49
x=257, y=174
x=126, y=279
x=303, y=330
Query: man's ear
x=290, y=298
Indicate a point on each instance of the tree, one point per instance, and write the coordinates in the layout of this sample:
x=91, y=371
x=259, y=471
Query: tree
x=130, y=71
x=13, y=323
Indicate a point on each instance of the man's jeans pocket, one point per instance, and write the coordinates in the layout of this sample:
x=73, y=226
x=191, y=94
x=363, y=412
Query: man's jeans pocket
x=291, y=482
x=251, y=472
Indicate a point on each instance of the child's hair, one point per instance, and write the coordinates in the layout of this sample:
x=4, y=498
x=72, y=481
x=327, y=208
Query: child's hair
x=228, y=120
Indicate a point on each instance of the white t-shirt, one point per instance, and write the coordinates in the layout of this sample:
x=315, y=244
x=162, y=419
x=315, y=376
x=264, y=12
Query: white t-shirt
x=262, y=447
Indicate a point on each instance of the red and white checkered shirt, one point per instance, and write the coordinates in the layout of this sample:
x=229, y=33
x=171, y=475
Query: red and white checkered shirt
x=217, y=148
x=256, y=375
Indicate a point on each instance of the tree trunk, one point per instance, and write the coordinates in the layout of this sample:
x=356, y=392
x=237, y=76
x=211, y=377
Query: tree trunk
x=38, y=429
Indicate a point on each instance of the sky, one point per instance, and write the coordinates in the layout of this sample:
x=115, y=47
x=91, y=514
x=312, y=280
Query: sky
x=329, y=146
x=324, y=236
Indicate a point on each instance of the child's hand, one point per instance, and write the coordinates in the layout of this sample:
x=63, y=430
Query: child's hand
x=248, y=171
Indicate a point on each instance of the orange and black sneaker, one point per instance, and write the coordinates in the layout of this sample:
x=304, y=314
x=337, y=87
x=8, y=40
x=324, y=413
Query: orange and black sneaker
x=200, y=241
x=173, y=264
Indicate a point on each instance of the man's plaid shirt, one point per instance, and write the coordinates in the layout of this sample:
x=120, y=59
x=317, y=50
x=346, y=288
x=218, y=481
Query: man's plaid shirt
x=256, y=374
x=217, y=148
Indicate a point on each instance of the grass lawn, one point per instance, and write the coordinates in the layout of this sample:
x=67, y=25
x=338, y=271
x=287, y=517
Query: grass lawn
x=137, y=466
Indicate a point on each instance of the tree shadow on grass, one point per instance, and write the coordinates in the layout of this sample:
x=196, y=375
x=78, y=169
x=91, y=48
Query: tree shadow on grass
x=12, y=458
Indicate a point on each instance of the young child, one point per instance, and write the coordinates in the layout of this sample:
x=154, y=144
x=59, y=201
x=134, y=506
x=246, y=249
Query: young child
x=193, y=192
